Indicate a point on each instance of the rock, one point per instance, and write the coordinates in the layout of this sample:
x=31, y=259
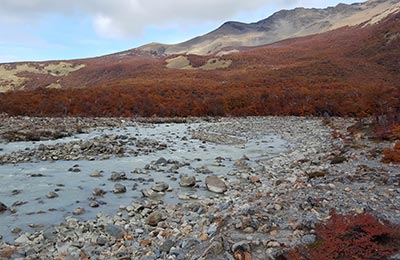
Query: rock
x=79, y=211
x=166, y=246
x=101, y=240
x=96, y=174
x=149, y=193
x=22, y=240
x=317, y=174
x=161, y=161
x=338, y=159
x=254, y=179
x=187, y=181
x=119, y=188
x=347, y=189
x=98, y=192
x=215, y=184
x=94, y=204
x=308, y=239
x=273, y=244
x=160, y=187
x=154, y=218
x=278, y=207
x=117, y=176
x=114, y=231
x=52, y=195
x=3, y=207
x=16, y=230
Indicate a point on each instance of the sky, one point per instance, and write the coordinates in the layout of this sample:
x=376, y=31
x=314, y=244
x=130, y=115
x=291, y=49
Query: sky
x=38, y=30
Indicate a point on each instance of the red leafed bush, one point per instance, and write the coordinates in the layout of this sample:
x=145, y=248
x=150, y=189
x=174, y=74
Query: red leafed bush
x=346, y=237
x=392, y=155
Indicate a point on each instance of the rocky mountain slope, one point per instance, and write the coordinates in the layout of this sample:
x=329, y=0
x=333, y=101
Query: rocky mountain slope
x=282, y=25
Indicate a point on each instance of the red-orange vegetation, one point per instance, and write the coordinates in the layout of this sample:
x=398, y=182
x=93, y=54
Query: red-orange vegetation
x=392, y=155
x=347, y=72
x=355, y=237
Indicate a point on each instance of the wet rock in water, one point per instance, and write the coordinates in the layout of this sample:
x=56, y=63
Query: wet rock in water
x=52, y=195
x=160, y=187
x=154, y=218
x=18, y=203
x=338, y=159
x=35, y=175
x=119, y=188
x=96, y=174
x=79, y=211
x=215, y=184
x=117, y=176
x=22, y=240
x=16, y=192
x=161, y=161
x=3, y=207
x=94, y=204
x=187, y=181
x=98, y=192
x=148, y=193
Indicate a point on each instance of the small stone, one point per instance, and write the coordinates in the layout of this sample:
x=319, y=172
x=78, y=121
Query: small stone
x=101, y=240
x=215, y=184
x=119, y=188
x=16, y=230
x=117, y=176
x=308, y=239
x=254, y=179
x=52, y=195
x=98, y=192
x=94, y=204
x=149, y=193
x=114, y=231
x=23, y=239
x=160, y=187
x=278, y=207
x=3, y=207
x=338, y=159
x=187, y=181
x=78, y=211
x=154, y=218
x=96, y=174
x=161, y=161
x=347, y=189
x=273, y=244
x=167, y=245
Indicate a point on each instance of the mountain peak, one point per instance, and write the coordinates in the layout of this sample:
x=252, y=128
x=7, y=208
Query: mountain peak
x=284, y=24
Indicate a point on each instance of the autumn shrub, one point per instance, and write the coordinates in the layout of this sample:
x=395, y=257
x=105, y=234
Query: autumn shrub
x=346, y=237
x=392, y=155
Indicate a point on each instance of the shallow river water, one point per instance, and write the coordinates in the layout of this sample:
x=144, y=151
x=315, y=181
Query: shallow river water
x=75, y=188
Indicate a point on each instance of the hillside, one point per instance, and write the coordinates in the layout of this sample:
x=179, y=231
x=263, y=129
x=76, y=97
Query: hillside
x=282, y=25
x=347, y=71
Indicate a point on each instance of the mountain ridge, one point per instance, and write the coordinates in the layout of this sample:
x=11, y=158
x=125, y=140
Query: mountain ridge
x=284, y=24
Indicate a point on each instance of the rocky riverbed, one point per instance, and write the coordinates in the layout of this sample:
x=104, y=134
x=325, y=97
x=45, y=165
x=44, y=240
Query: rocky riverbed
x=123, y=189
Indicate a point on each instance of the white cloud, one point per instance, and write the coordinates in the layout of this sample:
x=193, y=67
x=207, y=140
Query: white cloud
x=127, y=18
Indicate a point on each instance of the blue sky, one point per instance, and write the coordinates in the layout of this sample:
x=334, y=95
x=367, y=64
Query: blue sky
x=38, y=30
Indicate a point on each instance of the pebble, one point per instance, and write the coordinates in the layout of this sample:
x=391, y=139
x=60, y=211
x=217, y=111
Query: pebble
x=79, y=211
x=187, y=181
x=119, y=188
x=3, y=207
x=52, y=195
x=215, y=184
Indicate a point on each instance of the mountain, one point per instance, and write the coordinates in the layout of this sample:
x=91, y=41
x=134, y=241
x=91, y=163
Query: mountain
x=282, y=25
x=351, y=70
